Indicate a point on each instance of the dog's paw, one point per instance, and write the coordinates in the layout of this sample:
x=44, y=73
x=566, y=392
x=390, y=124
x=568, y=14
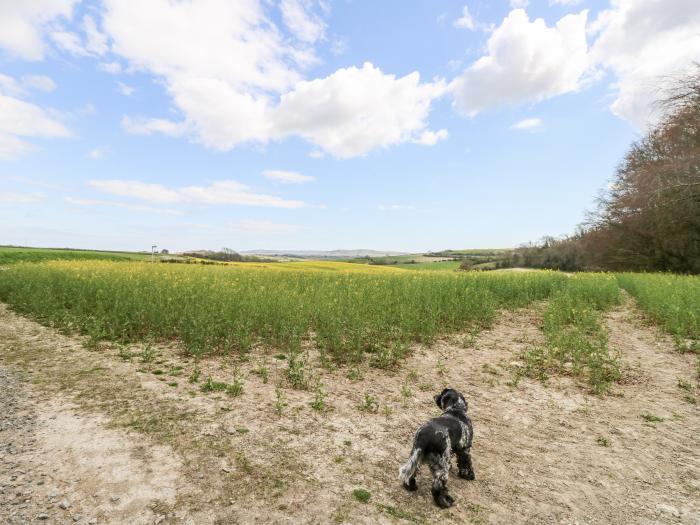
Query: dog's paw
x=411, y=485
x=467, y=474
x=444, y=501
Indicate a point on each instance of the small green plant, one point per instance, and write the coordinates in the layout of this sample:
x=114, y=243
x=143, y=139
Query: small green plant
x=280, y=402
x=361, y=495
x=148, y=353
x=262, y=371
x=338, y=459
x=369, y=404
x=124, y=353
x=235, y=389
x=354, y=374
x=242, y=430
x=172, y=383
x=387, y=411
x=157, y=372
x=194, y=376
x=412, y=376
x=319, y=402
x=296, y=372
x=650, y=418
x=603, y=441
x=685, y=385
x=441, y=368
x=406, y=393
x=213, y=386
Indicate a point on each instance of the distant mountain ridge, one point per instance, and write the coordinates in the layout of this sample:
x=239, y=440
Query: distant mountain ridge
x=328, y=254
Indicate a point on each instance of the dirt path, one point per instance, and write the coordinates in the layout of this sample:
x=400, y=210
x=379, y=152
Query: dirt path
x=111, y=424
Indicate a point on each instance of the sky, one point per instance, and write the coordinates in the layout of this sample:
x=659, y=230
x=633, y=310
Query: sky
x=318, y=124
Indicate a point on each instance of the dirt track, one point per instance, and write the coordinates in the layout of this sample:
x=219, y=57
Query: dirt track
x=88, y=431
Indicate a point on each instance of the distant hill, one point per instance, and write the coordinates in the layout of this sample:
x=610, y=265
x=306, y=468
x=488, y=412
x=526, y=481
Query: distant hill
x=330, y=254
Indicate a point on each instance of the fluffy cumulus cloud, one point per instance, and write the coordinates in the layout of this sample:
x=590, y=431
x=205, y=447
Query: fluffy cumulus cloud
x=20, y=120
x=355, y=110
x=237, y=57
x=24, y=23
x=302, y=21
x=644, y=44
x=219, y=192
x=527, y=61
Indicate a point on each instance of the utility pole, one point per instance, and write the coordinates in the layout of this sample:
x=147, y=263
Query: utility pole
x=153, y=253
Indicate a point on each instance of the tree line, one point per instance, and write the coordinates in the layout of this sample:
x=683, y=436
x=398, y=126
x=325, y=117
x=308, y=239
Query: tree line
x=649, y=217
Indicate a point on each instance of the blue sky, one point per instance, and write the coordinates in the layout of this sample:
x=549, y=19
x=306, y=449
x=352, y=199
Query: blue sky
x=307, y=124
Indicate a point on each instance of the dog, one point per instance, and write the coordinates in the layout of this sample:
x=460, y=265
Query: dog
x=436, y=441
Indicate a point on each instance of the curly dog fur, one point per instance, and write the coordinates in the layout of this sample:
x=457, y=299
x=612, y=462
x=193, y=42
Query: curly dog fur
x=435, y=442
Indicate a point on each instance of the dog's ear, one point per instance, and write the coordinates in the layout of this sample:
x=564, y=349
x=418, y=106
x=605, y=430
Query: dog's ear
x=438, y=398
x=466, y=405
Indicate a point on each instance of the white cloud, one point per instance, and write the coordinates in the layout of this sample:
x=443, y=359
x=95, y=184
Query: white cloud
x=111, y=67
x=287, y=177
x=125, y=89
x=97, y=153
x=528, y=124
x=136, y=189
x=466, y=21
x=526, y=62
x=564, y=2
x=515, y=4
x=96, y=41
x=394, y=207
x=22, y=24
x=218, y=192
x=355, y=110
x=141, y=126
x=233, y=192
x=133, y=207
x=10, y=86
x=300, y=19
x=11, y=197
x=430, y=138
x=235, y=55
x=262, y=227
x=40, y=82
x=643, y=42
x=19, y=120
x=70, y=42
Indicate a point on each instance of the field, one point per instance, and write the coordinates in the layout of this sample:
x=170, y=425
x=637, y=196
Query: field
x=13, y=254
x=289, y=392
x=438, y=266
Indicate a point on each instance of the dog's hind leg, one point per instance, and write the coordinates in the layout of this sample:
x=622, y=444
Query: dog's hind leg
x=464, y=462
x=440, y=468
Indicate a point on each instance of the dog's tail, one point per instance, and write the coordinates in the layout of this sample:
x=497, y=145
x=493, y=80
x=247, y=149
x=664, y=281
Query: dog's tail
x=407, y=471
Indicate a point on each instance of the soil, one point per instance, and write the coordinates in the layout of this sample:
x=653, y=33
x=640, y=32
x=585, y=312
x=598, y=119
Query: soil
x=100, y=436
